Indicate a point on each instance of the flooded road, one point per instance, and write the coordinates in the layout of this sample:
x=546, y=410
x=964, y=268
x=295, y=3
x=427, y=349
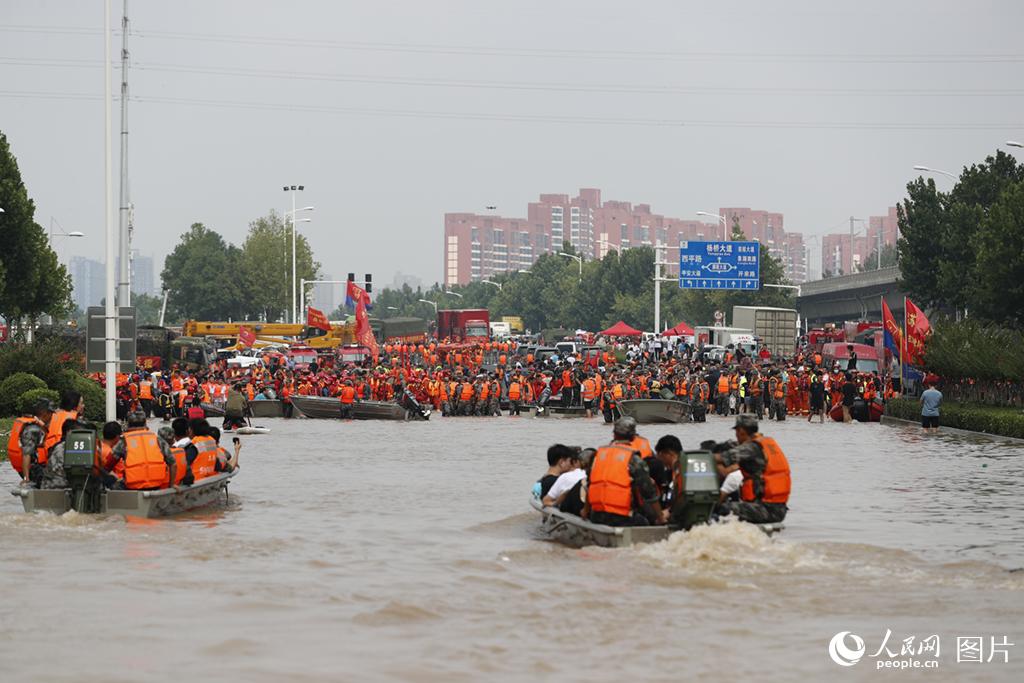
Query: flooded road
x=382, y=551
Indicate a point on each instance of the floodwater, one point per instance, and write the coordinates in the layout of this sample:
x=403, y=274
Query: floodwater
x=408, y=552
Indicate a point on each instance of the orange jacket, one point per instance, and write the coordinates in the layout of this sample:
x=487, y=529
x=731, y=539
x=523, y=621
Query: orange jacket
x=144, y=466
x=205, y=464
x=56, y=429
x=514, y=391
x=777, y=482
x=347, y=396
x=14, y=454
x=610, y=488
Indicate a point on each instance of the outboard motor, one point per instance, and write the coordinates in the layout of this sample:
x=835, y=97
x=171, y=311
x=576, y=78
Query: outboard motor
x=695, y=503
x=414, y=408
x=859, y=410
x=79, y=460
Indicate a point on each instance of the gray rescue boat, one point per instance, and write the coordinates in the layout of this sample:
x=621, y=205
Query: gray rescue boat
x=266, y=408
x=654, y=410
x=577, y=532
x=326, y=407
x=149, y=504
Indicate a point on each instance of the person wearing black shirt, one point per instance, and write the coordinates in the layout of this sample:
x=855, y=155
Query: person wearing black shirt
x=851, y=364
x=849, y=395
x=559, y=457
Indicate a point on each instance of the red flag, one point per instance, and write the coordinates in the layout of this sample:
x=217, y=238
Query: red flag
x=246, y=337
x=317, y=319
x=918, y=329
x=364, y=335
x=893, y=336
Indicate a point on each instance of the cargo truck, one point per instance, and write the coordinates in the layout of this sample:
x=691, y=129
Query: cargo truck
x=515, y=323
x=464, y=325
x=776, y=328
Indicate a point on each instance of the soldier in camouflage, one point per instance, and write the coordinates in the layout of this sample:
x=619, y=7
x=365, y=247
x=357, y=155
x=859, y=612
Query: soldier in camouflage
x=32, y=437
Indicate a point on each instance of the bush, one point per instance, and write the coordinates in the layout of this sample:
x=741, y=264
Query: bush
x=970, y=416
x=27, y=399
x=13, y=387
x=95, y=400
x=44, y=359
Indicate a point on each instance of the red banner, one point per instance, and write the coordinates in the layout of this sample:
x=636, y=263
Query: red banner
x=918, y=329
x=246, y=337
x=317, y=319
x=364, y=335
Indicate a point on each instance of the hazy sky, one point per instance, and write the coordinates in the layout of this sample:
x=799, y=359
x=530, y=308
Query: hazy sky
x=392, y=113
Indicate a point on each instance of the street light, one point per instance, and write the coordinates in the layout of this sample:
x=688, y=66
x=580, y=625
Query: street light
x=496, y=284
x=428, y=301
x=1009, y=143
x=928, y=169
x=392, y=308
x=576, y=258
x=293, y=189
x=454, y=294
x=719, y=217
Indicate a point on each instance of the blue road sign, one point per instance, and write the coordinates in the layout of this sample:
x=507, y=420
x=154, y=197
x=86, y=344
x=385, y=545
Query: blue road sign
x=719, y=265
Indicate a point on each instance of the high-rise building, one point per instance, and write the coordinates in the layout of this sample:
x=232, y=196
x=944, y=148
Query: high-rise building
x=88, y=279
x=142, y=279
x=477, y=246
x=325, y=297
x=838, y=256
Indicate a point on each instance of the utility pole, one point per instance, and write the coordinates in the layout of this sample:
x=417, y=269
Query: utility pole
x=658, y=279
x=850, y=271
x=110, y=312
x=124, y=285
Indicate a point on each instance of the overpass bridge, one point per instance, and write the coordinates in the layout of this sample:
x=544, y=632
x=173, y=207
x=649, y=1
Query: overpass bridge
x=851, y=297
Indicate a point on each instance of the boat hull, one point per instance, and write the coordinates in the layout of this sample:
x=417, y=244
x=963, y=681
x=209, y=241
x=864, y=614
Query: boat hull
x=577, y=532
x=149, y=504
x=654, y=410
x=212, y=410
x=861, y=411
x=560, y=411
x=325, y=407
x=273, y=408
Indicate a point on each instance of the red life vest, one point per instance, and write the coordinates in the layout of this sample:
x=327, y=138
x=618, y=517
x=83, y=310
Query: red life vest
x=776, y=477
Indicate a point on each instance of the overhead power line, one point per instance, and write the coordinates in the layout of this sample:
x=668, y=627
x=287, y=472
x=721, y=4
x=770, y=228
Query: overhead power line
x=524, y=118
x=284, y=74
x=542, y=53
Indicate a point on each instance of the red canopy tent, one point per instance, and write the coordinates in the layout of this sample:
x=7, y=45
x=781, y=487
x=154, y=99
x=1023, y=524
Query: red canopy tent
x=621, y=329
x=680, y=330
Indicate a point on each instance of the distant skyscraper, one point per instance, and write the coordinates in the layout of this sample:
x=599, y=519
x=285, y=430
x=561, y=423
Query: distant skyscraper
x=88, y=278
x=143, y=281
x=325, y=297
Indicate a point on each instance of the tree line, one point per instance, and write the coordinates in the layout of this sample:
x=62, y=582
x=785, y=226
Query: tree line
x=208, y=278
x=33, y=282
x=620, y=286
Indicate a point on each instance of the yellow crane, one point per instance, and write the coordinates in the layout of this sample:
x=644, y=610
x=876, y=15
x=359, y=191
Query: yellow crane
x=338, y=335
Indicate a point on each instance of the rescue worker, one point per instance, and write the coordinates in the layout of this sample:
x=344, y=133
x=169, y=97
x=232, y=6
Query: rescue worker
x=766, y=476
x=235, y=408
x=147, y=459
x=347, y=397
x=53, y=474
x=588, y=391
x=620, y=490
x=25, y=446
x=71, y=406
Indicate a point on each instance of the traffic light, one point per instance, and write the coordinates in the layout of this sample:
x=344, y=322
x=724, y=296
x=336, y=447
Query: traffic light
x=369, y=283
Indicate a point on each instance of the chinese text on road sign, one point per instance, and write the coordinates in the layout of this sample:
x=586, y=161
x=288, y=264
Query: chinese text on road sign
x=719, y=265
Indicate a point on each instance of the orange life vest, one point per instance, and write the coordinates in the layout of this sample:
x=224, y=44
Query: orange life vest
x=723, y=384
x=776, y=477
x=180, y=464
x=144, y=466
x=347, y=395
x=610, y=488
x=146, y=391
x=56, y=429
x=205, y=464
x=14, y=454
x=589, y=389
x=466, y=392
x=514, y=391
x=641, y=445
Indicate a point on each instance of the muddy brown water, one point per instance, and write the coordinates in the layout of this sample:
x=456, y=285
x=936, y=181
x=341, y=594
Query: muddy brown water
x=372, y=551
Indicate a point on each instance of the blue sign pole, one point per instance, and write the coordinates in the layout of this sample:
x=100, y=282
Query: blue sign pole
x=720, y=265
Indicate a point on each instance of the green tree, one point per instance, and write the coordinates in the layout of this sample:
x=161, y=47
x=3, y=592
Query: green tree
x=147, y=308
x=32, y=280
x=267, y=266
x=890, y=257
x=203, y=276
x=998, y=287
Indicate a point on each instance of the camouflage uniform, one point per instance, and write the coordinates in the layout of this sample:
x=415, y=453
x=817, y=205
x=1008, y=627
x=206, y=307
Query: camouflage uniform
x=53, y=472
x=32, y=437
x=751, y=460
x=644, y=487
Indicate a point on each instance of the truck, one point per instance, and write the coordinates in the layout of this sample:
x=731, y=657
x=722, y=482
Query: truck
x=776, y=328
x=500, y=329
x=464, y=324
x=515, y=323
x=399, y=329
x=738, y=337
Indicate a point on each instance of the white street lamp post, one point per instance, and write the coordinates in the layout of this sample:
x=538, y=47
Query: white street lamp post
x=928, y=169
x=489, y=282
x=432, y=303
x=1009, y=143
x=293, y=189
x=454, y=294
x=576, y=258
x=721, y=218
